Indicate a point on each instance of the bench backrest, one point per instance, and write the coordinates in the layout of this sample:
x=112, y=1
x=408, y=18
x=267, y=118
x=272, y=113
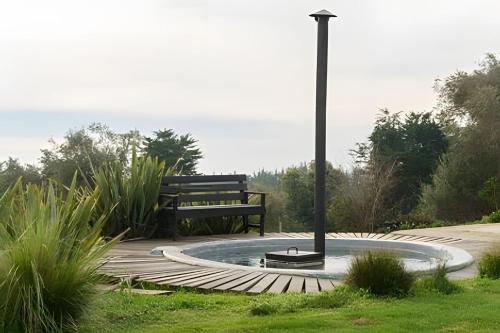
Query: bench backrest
x=205, y=188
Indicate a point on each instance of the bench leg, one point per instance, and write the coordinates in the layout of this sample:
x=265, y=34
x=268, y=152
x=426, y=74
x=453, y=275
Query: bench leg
x=261, y=224
x=173, y=228
x=245, y=223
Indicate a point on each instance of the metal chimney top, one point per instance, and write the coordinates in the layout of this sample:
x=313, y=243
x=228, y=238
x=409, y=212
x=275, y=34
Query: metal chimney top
x=322, y=13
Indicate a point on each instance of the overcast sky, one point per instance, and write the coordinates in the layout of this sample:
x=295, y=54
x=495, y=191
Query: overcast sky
x=239, y=75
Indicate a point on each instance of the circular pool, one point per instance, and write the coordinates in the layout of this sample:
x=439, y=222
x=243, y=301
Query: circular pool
x=417, y=257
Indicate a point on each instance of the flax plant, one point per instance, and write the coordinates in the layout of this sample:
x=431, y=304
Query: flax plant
x=131, y=195
x=50, y=249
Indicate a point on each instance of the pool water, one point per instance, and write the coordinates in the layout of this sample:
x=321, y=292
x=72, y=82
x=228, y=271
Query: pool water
x=339, y=253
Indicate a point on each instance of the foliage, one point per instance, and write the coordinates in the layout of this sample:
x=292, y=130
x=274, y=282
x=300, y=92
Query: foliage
x=211, y=226
x=411, y=146
x=50, y=244
x=360, y=204
x=85, y=150
x=11, y=170
x=130, y=197
x=380, y=273
x=298, y=185
x=469, y=107
x=263, y=178
x=173, y=149
x=438, y=282
x=489, y=264
x=474, y=308
x=490, y=192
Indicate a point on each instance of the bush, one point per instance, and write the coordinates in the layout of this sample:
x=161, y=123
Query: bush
x=380, y=273
x=489, y=264
x=438, y=282
x=495, y=217
x=49, y=250
x=130, y=197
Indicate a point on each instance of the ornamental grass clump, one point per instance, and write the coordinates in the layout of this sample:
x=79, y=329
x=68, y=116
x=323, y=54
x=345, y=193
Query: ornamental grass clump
x=438, y=281
x=380, y=273
x=489, y=264
x=130, y=196
x=50, y=246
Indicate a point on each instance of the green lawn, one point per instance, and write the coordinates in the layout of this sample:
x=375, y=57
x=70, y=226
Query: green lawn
x=475, y=308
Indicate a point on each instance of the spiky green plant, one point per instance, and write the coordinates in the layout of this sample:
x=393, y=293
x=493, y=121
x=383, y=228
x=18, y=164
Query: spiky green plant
x=380, y=273
x=50, y=245
x=131, y=195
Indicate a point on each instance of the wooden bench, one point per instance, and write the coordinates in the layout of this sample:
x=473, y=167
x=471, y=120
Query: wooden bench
x=210, y=196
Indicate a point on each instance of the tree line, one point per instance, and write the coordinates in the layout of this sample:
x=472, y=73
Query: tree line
x=416, y=169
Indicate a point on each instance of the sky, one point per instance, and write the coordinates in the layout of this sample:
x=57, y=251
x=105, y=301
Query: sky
x=238, y=75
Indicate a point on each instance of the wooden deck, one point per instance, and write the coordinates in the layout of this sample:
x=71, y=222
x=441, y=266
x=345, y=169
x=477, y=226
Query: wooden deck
x=132, y=260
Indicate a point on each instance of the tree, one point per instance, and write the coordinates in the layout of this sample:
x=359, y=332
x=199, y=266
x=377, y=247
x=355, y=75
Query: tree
x=298, y=185
x=410, y=149
x=11, y=170
x=470, y=107
x=86, y=150
x=176, y=150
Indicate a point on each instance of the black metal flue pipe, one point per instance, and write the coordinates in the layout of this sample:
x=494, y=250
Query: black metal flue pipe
x=322, y=17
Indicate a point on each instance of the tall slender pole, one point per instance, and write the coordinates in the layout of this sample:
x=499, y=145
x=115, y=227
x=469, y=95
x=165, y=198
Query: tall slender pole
x=322, y=17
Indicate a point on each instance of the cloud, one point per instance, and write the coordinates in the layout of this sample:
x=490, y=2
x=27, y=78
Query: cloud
x=240, y=61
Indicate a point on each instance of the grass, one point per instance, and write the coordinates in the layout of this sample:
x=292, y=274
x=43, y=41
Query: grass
x=50, y=245
x=474, y=308
x=381, y=273
x=489, y=264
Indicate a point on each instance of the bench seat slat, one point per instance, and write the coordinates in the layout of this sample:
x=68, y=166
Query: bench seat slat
x=218, y=210
x=203, y=179
x=211, y=197
x=194, y=188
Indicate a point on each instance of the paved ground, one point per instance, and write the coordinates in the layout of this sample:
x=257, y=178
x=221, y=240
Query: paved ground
x=132, y=260
x=475, y=239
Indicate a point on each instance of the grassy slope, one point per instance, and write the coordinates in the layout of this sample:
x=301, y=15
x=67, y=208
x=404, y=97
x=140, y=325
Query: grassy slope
x=474, y=309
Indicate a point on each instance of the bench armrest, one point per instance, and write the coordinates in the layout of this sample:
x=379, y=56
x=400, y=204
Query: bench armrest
x=262, y=196
x=173, y=197
x=255, y=192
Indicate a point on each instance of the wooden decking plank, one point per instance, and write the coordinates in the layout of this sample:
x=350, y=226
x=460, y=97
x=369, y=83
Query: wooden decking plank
x=180, y=279
x=216, y=283
x=227, y=273
x=385, y=236
x=163, y=277
x=325, y=284
x=330, y=236
x=296, y=284
x=397, y=236
x=311, y=285
x=239, y=281
x=143, y=274
x=202, y=279
x=263, y=284
x=249, y=284
x=280, y=284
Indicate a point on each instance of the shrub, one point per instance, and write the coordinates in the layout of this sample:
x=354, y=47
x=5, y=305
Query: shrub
x=380, y=273
x=438, y=282
x=489, y=264
x=130, y=197
x=495, y=217
x=49, y=250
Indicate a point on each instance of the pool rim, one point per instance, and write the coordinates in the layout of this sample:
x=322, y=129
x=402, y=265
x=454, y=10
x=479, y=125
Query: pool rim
x=461, y=258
